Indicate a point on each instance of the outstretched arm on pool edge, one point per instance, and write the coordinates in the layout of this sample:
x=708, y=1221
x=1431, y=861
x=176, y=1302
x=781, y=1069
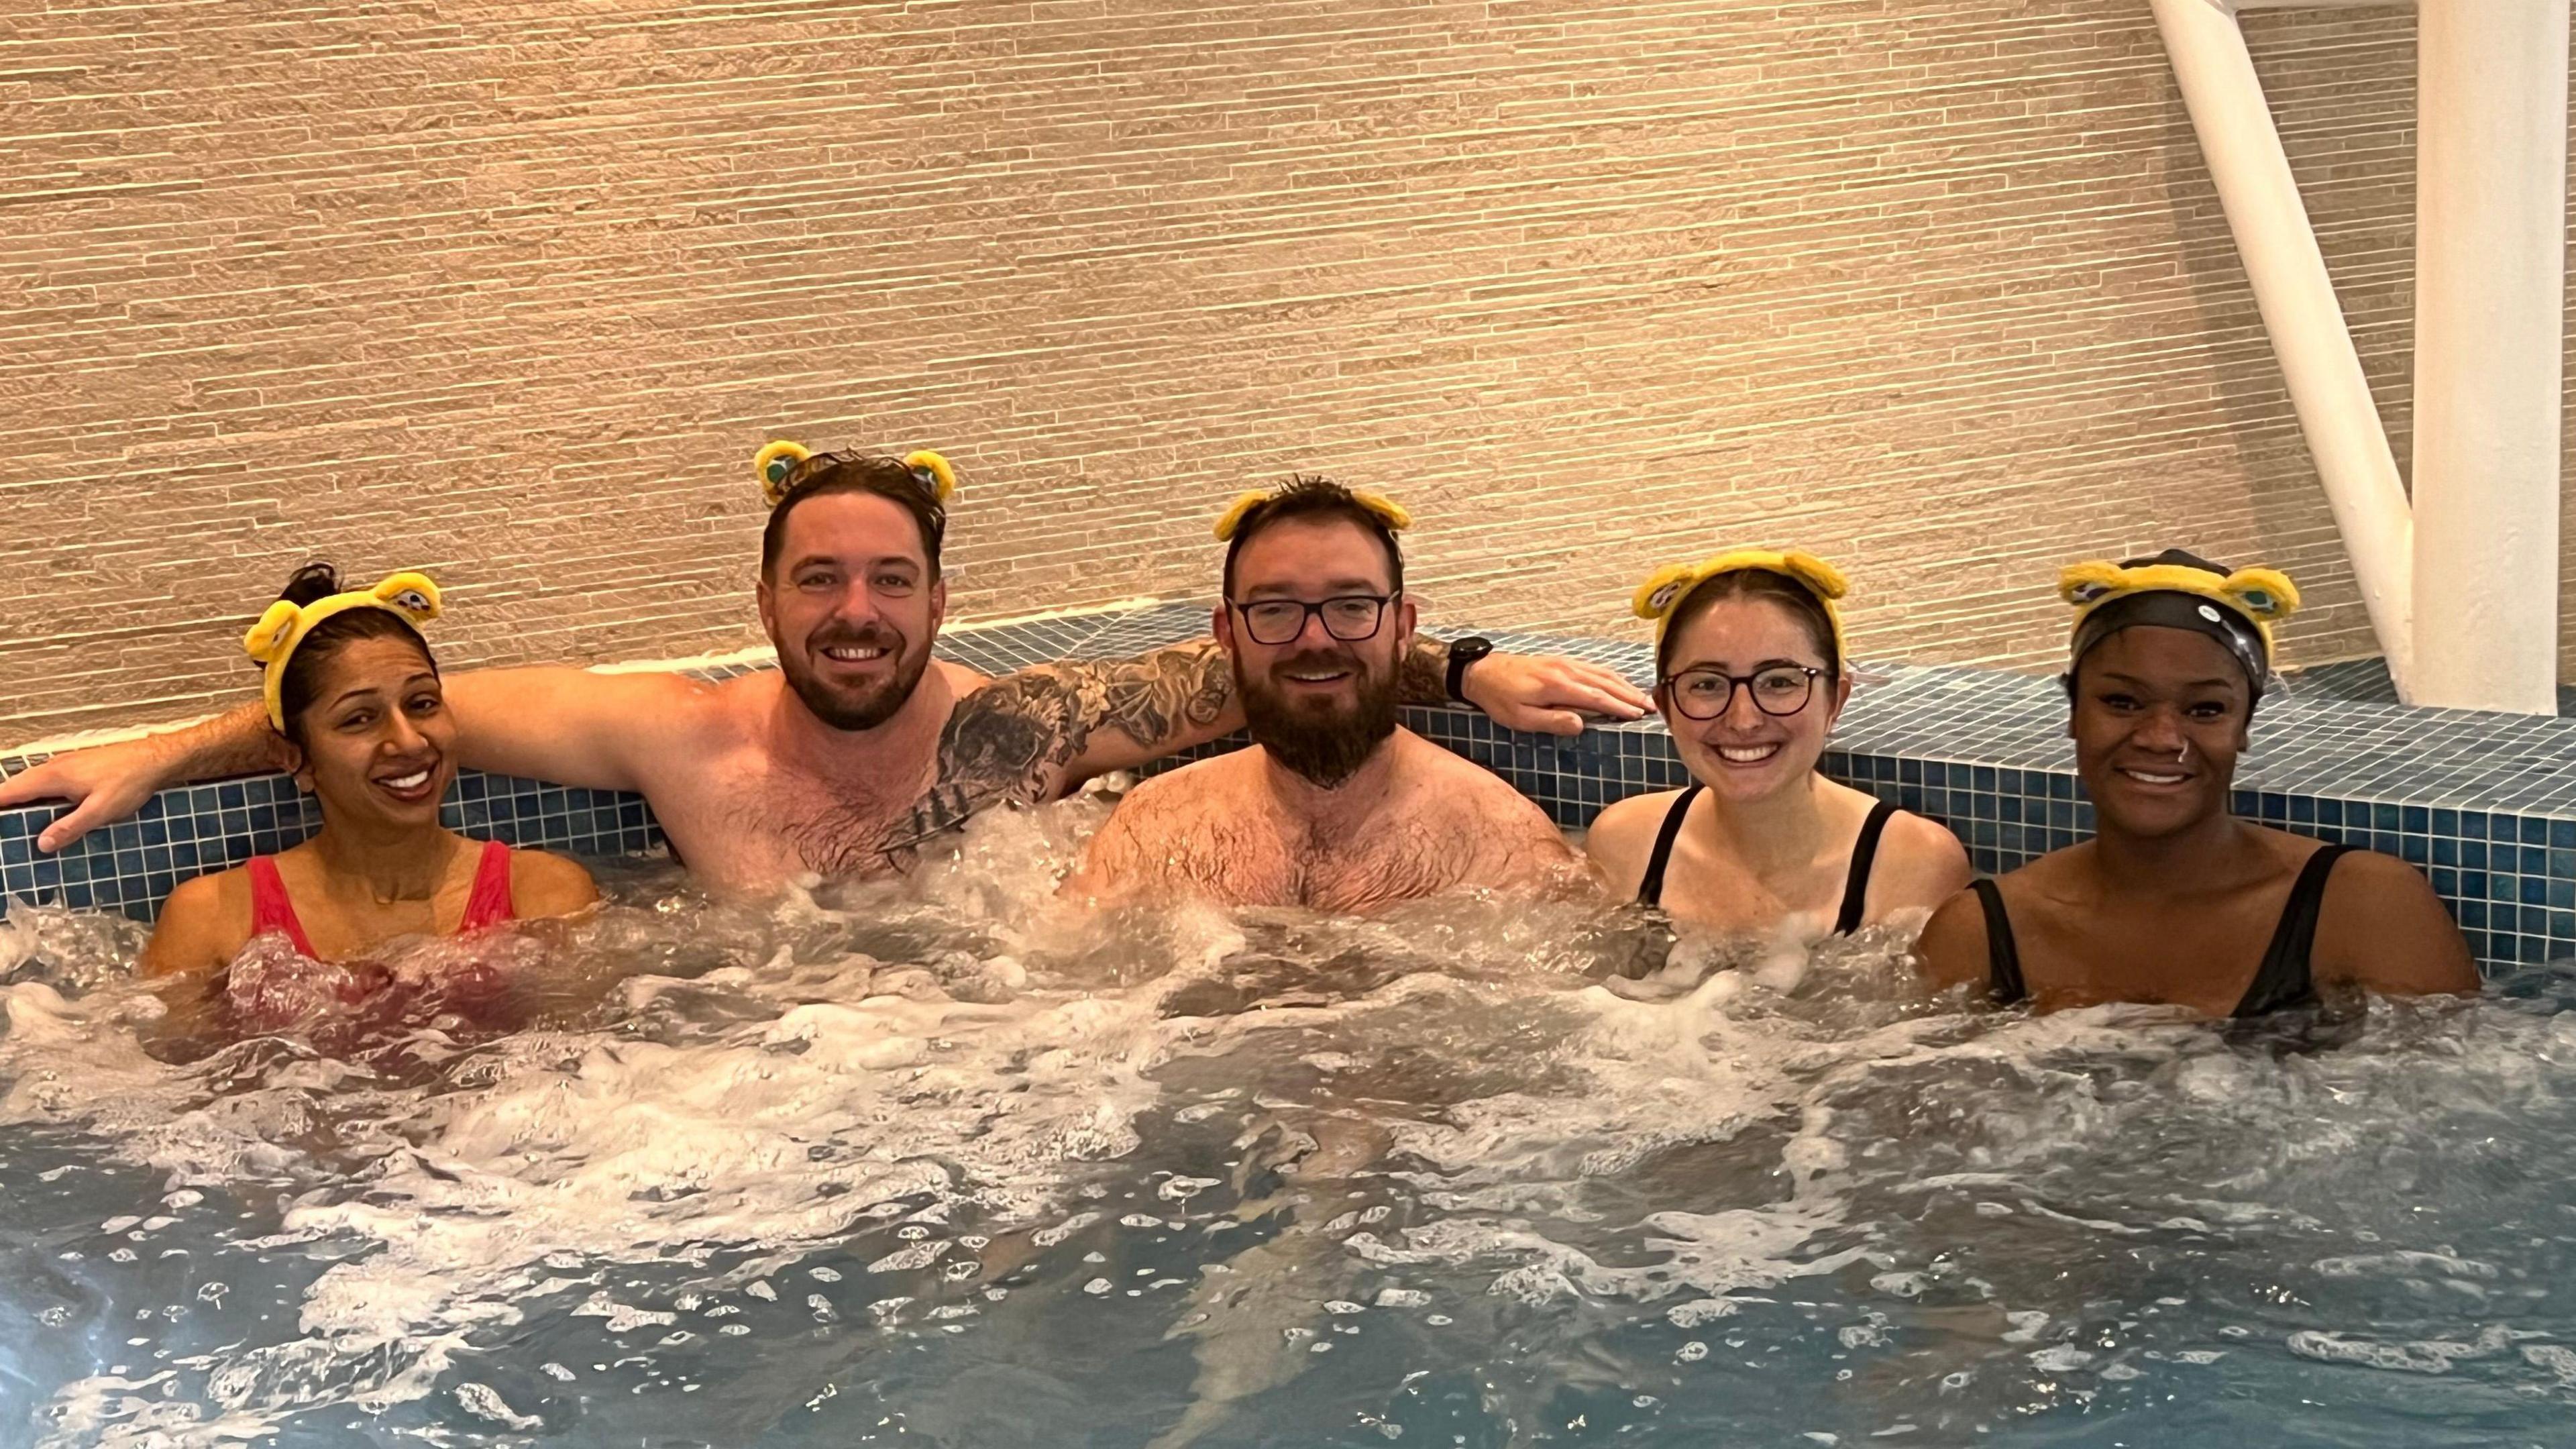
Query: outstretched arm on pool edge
x=106, y=783
x=567, y=726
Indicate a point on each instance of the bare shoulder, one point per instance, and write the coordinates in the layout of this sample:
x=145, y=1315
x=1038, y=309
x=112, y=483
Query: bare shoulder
x=666, y=717
x=1632, y=823
x=1952, y=949
x=203, y=924
x=222, y=891
x=1471, y=789
x=1501, y=837
x=1920, y=866
x=701, y=701
x=1156, y=798
x=2381, y=927
x=1173, y=799
x=1623, y=836
x=1195, y=781
x=1132, y=846
x=545, y=884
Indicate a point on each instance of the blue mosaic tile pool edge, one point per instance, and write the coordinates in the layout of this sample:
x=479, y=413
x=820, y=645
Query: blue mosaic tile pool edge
x=2484, y=804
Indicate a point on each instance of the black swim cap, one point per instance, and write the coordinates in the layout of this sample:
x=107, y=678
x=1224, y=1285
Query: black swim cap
x=2207, y=614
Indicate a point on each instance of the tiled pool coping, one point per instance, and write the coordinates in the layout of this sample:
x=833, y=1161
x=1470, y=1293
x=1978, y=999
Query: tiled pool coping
x=2484, y=803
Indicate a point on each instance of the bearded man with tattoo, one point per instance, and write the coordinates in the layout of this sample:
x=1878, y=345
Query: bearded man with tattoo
x=1334, y=806
x=861, y=748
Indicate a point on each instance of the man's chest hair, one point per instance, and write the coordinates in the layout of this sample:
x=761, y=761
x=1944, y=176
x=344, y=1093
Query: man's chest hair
x=1261, y=857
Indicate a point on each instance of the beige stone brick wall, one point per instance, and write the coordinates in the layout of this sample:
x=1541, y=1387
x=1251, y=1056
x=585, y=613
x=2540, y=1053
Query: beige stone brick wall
x=1937, y=288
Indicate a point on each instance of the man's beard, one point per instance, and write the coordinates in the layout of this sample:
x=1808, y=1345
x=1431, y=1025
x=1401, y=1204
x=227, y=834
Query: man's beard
x=861, y=707
x=1323, y=741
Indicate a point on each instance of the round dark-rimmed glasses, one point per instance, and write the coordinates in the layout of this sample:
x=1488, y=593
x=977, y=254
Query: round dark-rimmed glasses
x=1347, y=617
x=1778, y=691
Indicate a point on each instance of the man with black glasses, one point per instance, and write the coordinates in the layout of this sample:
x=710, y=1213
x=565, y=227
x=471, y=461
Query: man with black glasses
x=1335, y=806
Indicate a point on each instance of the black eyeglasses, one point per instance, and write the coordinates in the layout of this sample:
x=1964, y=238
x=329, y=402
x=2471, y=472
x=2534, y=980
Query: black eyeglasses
x=1347, y=617
x=1779, y=691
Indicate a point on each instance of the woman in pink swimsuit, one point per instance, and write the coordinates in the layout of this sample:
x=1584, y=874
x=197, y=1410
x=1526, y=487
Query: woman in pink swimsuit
x=352, y=686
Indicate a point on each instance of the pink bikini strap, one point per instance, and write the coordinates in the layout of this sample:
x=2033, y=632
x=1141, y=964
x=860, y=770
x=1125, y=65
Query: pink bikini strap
x=490, y=903
x=270, y=910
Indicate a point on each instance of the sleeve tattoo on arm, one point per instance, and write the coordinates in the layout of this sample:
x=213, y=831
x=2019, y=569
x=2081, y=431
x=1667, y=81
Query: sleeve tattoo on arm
x=1160, y=700
x=1015, y=739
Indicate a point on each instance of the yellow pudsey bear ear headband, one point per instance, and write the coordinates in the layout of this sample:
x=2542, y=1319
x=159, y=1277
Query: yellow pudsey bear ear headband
x=1386, y=510
x=2176, y=590
x=775, y=464
x=273, y=640
x=1664, y=590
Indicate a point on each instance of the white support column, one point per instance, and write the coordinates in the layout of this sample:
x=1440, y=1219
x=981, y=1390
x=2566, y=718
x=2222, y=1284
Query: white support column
x=2490, y=269
x=2288, y=273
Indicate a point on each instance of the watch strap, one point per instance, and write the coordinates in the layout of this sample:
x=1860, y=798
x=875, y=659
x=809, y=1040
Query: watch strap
x=1463, y=652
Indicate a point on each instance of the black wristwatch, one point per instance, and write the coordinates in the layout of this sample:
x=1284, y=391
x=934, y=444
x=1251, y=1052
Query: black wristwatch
x=1463, y=652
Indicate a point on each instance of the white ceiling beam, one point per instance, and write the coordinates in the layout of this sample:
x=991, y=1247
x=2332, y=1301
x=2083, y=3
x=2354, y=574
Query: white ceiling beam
x=2332, y=397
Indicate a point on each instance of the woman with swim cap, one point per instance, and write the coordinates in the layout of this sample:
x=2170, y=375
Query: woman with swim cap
x=350, y=683
x=2175, y=900
x=1751, y=674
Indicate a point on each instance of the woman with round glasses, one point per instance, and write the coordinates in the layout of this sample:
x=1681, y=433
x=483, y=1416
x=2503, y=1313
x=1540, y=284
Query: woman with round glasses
x=1749, y=670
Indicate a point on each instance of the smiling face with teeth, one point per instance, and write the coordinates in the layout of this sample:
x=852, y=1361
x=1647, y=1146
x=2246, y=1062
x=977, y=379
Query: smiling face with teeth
x=2160, y=717
x=1744, y=754
x=377, y=742
x=853, y=608
x=1320, y=705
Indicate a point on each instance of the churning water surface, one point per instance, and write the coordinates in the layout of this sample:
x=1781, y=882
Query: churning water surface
x=940, y=1163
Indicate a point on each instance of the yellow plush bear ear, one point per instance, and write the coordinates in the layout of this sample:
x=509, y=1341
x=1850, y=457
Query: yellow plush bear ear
x=1815, y=573
x=1388, y=511
x=410, y=594
x=1664, y=588
x=2086, y=584
x=2266, y=594
x=934, y=471
x=774, y=464
x=270, y=634
x=1232, y=519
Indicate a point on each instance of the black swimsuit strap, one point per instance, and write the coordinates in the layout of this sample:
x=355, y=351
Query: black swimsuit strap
x=2003, y=955
x=1864, y=854
x=1650, y=891
x=2284, y=981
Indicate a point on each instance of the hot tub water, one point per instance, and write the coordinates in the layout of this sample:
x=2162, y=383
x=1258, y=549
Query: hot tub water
x=938, y=1163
